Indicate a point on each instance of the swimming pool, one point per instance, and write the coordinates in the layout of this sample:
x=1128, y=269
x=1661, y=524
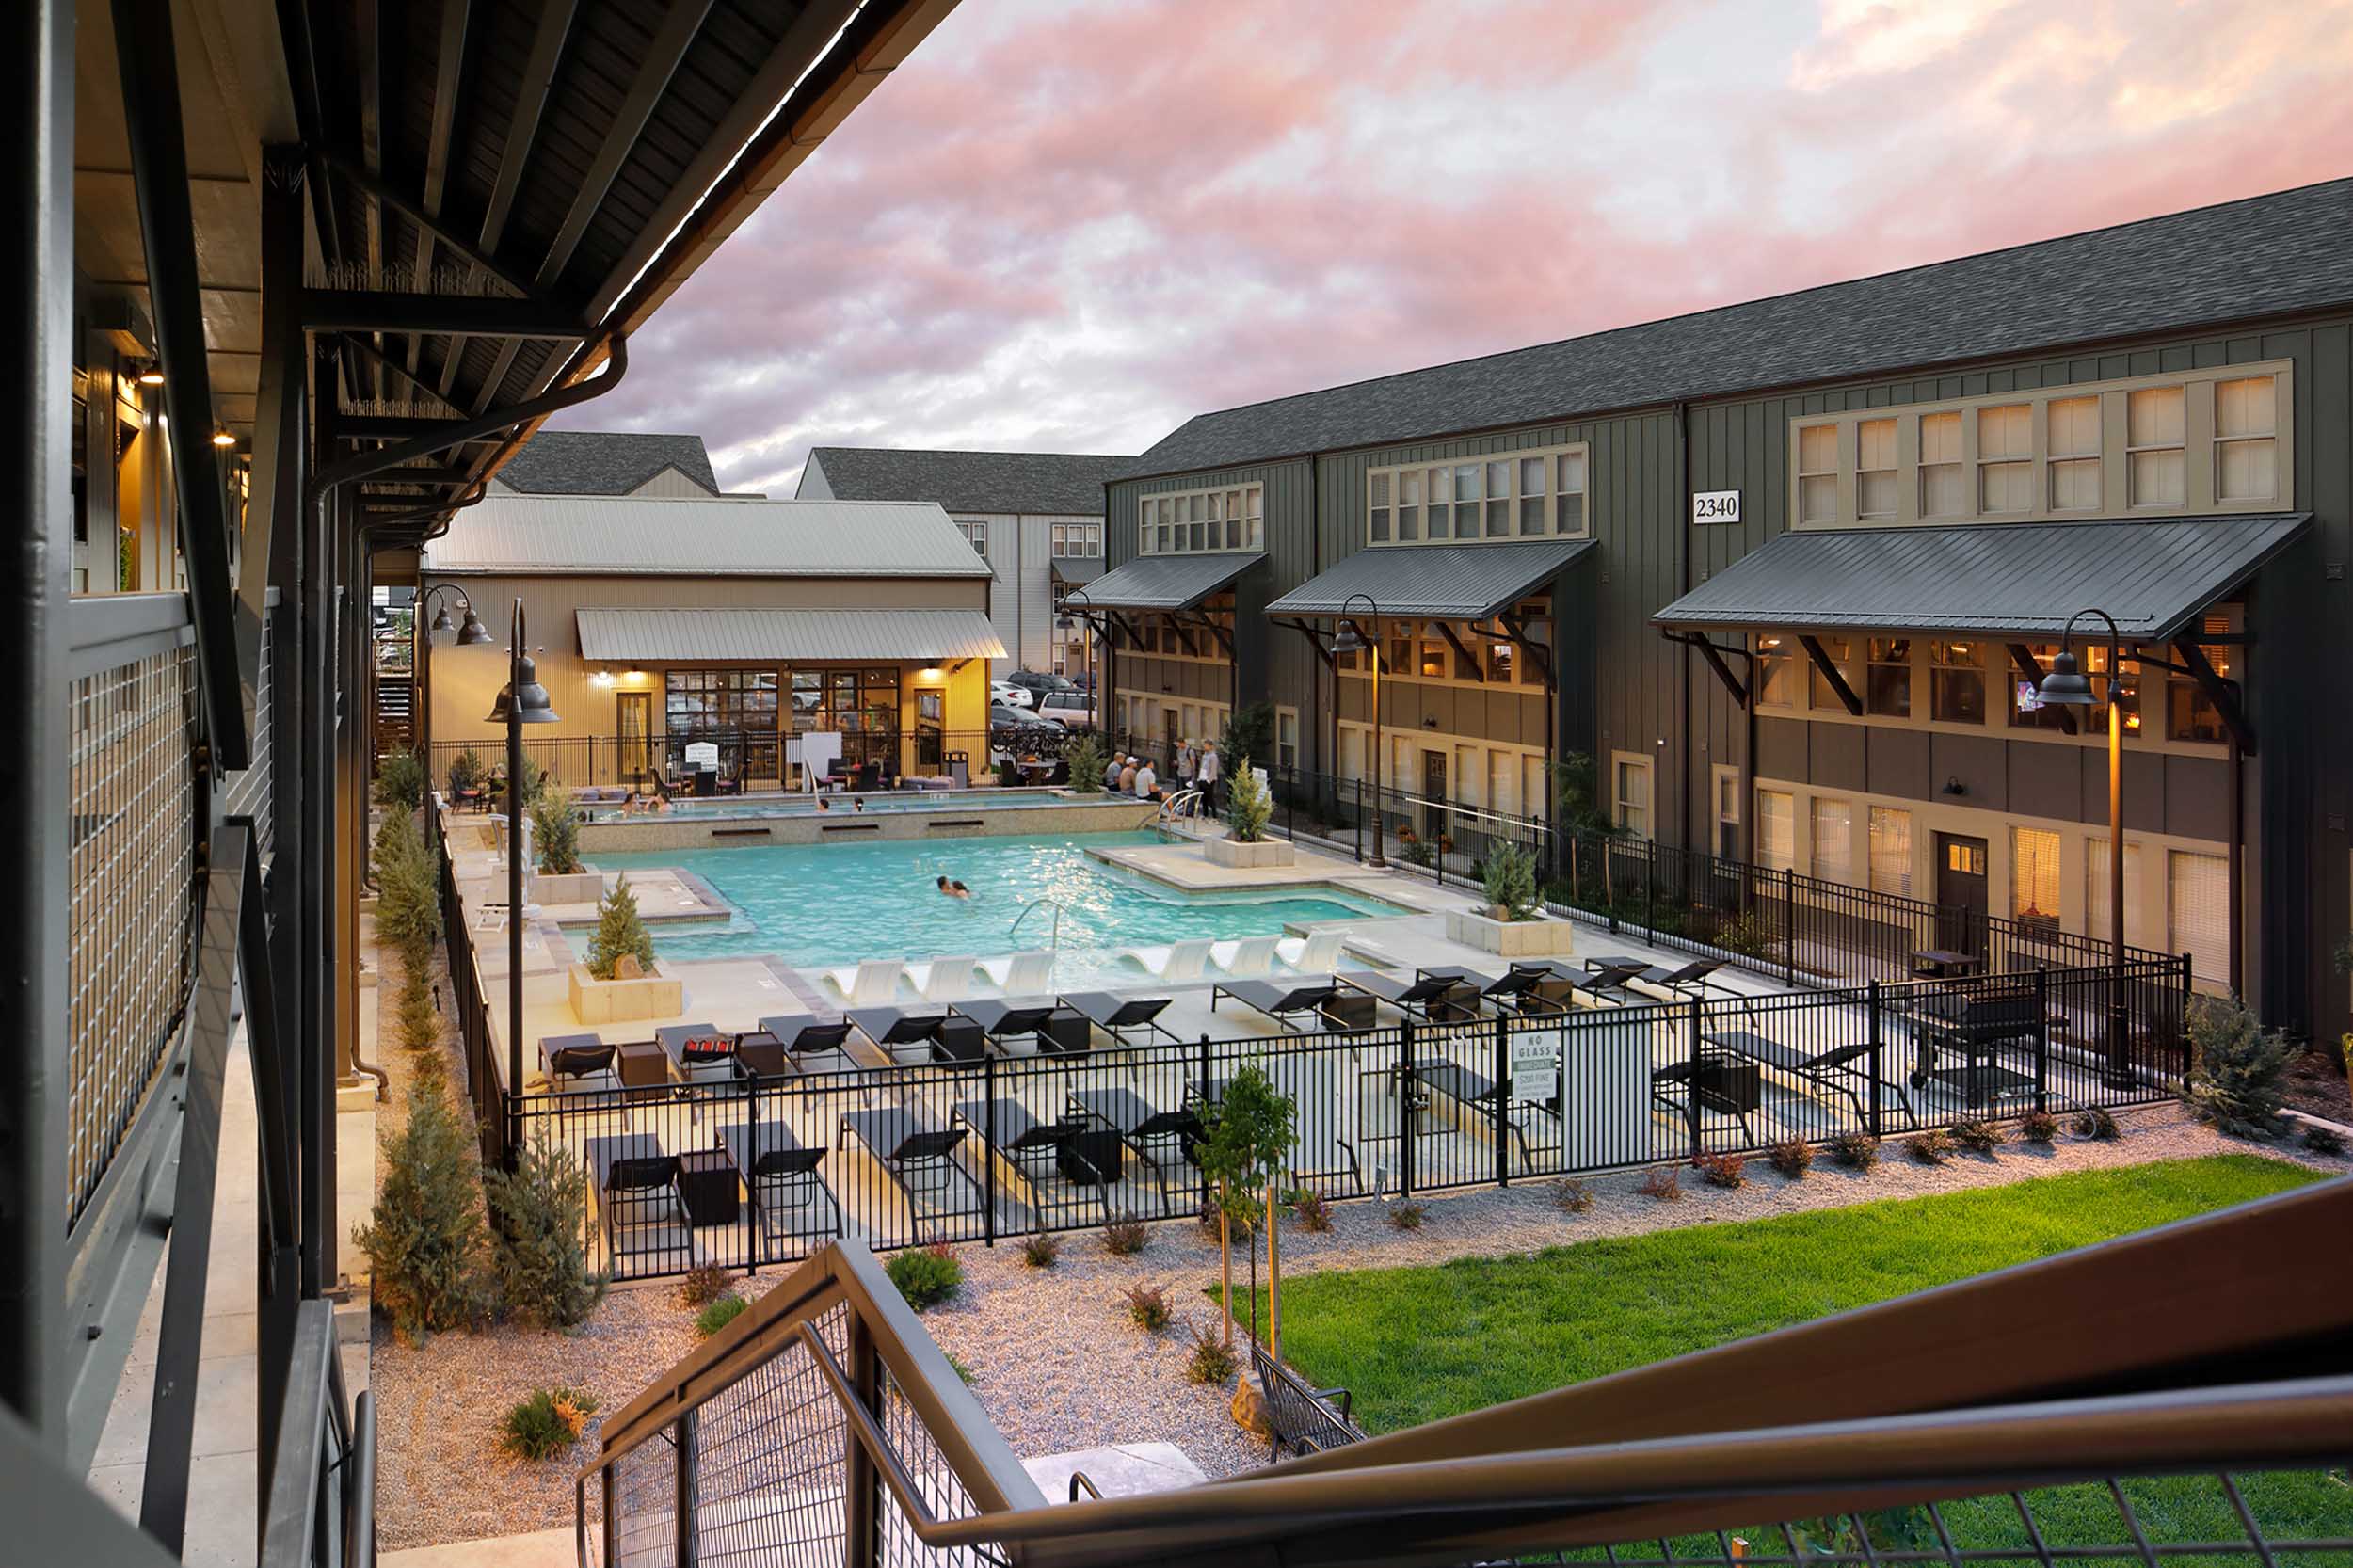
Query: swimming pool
x=825, y=905
x=848, y=805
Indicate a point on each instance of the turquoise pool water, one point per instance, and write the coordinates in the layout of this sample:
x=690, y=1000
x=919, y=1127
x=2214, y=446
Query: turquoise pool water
x=823, y=904
x=846, y=805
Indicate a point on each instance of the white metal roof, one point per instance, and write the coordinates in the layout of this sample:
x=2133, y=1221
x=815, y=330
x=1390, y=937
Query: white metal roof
x=692, y=635
x=593, y=535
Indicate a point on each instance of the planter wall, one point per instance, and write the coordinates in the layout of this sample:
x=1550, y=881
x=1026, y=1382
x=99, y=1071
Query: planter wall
x=1241, y=856
x=1539, y=938
x=577, y=888
x=613, y=1002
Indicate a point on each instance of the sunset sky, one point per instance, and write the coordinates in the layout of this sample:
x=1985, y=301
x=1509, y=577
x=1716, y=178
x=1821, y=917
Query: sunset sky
x=1069, y=225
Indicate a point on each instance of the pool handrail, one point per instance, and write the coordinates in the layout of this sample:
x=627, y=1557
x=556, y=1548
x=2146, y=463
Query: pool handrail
x=1054, y=938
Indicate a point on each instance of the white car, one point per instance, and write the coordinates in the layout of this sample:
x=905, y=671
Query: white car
x=1010, y=695
x=1075, y=709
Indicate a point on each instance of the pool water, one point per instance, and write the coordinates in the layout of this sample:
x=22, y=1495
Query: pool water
x=843, y=804
x=823, y=904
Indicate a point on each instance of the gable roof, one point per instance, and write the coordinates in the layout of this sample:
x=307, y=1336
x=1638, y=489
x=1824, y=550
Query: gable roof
x=650, y=536
x=603, y=462
x=2266, y=255
x=1054, y=483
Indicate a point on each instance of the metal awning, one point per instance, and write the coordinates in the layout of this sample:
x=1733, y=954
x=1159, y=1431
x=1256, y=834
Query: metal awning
x=1990, y=580
x=1163, y=581
x=1078, y=569
x=697, y=636
x=1447, y=582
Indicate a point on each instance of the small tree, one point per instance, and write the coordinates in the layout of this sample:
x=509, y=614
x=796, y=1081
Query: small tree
x=423, y=1237
x=1247, y=1137
x=618, y=930
x=1248, y=806
x=1249, y=733
x=1085, y=756
x=539, y=1216
x=1581, y=813
x=555, y=826
x=417, y=1023
x=400, y=781
x=2235, y=1067
x=466, y=771
x=1510, y=878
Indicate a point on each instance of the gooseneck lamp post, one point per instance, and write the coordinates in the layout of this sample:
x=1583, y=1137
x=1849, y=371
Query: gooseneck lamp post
x=2067, y=686
x=1352, y=639
x=472, y=633
x=522, y=701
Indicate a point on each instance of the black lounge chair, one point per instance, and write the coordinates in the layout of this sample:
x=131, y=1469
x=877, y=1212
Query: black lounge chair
x=699, y=1053
x=1434, y=996
x=1284, y=1003
x=1605, y=975
x=805, y=1037
x=1056, y=1030
x=579, y=1063
x=790, y=1198
x=1715, y=1083
x=1688, y=981
x=760, y=1054
x=638, y=1200
x=917, y=1152
x=1470, y=1089
x=1036, y=1149
x=1120, y=1016
x=1153, y=1134
x=907, y=1035
x=1846, y=1071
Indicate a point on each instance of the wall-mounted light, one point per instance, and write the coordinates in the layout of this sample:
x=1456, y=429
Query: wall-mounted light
x=634, y=675
x=931, y=672
x=222, y=438
x=1953, y=786
x=1429, y=723
x=601, y=677
x=150, y=374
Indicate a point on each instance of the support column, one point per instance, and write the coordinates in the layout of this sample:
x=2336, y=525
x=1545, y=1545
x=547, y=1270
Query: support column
x=310, y=1037
x=36, y=467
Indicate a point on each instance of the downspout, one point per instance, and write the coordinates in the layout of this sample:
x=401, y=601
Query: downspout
x=1683, y=575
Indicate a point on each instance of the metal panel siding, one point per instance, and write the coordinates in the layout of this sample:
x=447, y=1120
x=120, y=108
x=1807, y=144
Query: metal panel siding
x=1450, y=581
x=716, y=635
x=600, y=535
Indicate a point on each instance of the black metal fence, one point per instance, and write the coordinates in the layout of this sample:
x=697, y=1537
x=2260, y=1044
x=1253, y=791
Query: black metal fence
x=486, y=1077
x=757, y=761
x=743, y=1171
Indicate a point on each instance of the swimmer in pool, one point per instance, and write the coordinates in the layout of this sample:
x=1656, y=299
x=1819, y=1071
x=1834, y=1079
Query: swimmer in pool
x=954, y=889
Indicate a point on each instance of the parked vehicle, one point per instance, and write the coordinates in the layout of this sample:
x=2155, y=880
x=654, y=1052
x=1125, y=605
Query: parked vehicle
x=1004, y=715
x=1005, y=692
x=1037, y=683
x=1074, y=707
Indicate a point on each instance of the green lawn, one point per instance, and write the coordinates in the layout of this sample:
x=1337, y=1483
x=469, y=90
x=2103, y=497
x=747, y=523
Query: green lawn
x=1414, y=1345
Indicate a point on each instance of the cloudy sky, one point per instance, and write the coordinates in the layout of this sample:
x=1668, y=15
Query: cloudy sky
x=1069, y=225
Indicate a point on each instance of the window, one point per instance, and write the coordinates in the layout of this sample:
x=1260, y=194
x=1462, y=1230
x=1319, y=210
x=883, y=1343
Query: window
x=2074, y=436
x=1534, y=492
x=1503, y=782
x=1776, y=829
x=1571, y=496
x=2153, y=446
x=1776, y=670
x=1468, y=505
x=1434, y=664
x=1409, y=506
x=2244, y=427
x=1875, y=469
x=2095, y=664
x=2005, y=459
x=1956, y=684
x=2096, y=891
x=1834, y=840
x=1500, y=499
x=1631, y=786
x=1287, y=738
x=1253, y=518
x=1891, y=851
x=1203, y=519
x=1078, y=539
x=1818, y=474
x=1840, y=649
x=2027, y=709
x=2189, y=714
x=1500, y=652
x=1888, y=680
x=1517, y=495
x=975, y=534
x=1377, y=522
x=1942, y=492
x=2198, y=912
x=2034, y=878
x=1534, y=793
x=1728, y=813
x=1441, y=503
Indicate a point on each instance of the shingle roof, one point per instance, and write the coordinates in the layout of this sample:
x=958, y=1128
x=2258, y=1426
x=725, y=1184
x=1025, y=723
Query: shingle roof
x=2262, y=256
x=1050, y=483
x=1163, y=581
x=1452, y=582
x=2013, y=579
x=604, y=535
x=603, y=462
x=687, y=635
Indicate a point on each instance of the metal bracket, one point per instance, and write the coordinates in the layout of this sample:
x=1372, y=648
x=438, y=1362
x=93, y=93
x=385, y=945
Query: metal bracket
x=1831, y=673
x=1478, y=669
x=1517, y=633
x=2031, y=667
x=1715, y=657
x=1316, y=636
x=2221, y=693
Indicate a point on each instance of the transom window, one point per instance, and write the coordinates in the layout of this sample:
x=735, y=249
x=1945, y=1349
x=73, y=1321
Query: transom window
x=1523, y=495
x=1230, y=517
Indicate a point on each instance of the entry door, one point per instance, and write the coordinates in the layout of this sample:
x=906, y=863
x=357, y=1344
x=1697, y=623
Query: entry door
x=1170, y=739
x=633, y=721
x=1433, y=825
x=1960, y=888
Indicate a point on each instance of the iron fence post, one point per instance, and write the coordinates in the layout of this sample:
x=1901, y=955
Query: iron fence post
x=1405, y=1108
x=1790, y=924
x=1699, y=1005
x=1360, y=822
x=2180, y=1017
x=688, y=1549
x=2042, y=1039
x=1871, y=1035
x=860, y=1539
x=1503, y=1100
x=1204, y=1092
x=989, y=1152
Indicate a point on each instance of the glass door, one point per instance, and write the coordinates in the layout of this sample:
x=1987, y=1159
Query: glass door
x=632, y=723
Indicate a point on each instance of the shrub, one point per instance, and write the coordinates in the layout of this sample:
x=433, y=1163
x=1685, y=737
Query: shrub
x=704, y=1283
x=465, y=771
x=547, y=1423
x=1041, y=1251
x=1721, y=1170
x=2097, y=1125
x=1792, y=1157
x=1509, y=877
x=1407, y=1214
x=1572, y=1196
x=1857, y=1151
x=555, y=834
x=1978, y=1134
x=718, y=1314
x=1211, y=1360
x=1125, y=1236
x=2236, y=1067
x=1662, y=1185
x=1248, y=806
x=539, y=1223
x=1415, y=851
x=400, y=781
x=416, y=1021
x=618, y=930
x=1933, y=1147
x=925, y=1275
x=1748, y=933
x=1085, y=756
x=2323, y=1140
x=2039, y=1127
x=1312, y=1209
x=423, y=1237
x=1147, y=1307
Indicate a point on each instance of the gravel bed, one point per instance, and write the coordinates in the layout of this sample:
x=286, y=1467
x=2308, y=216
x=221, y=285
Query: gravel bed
x=1057, y=1363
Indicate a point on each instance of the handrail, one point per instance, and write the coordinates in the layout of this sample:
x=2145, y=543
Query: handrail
x=1054, y=937
x=1080, y=1482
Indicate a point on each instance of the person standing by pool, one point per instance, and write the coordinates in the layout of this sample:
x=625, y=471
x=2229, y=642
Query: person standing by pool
x=1188, y=758
x=1205, y=780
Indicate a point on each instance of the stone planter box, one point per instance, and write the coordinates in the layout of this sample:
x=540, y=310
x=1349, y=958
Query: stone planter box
x=614, y=1002
x=578, y=887
x=1240, y=857
x=1546, y=937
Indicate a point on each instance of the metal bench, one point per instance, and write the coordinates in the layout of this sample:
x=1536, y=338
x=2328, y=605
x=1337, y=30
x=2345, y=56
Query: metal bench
x=1299, y=1419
